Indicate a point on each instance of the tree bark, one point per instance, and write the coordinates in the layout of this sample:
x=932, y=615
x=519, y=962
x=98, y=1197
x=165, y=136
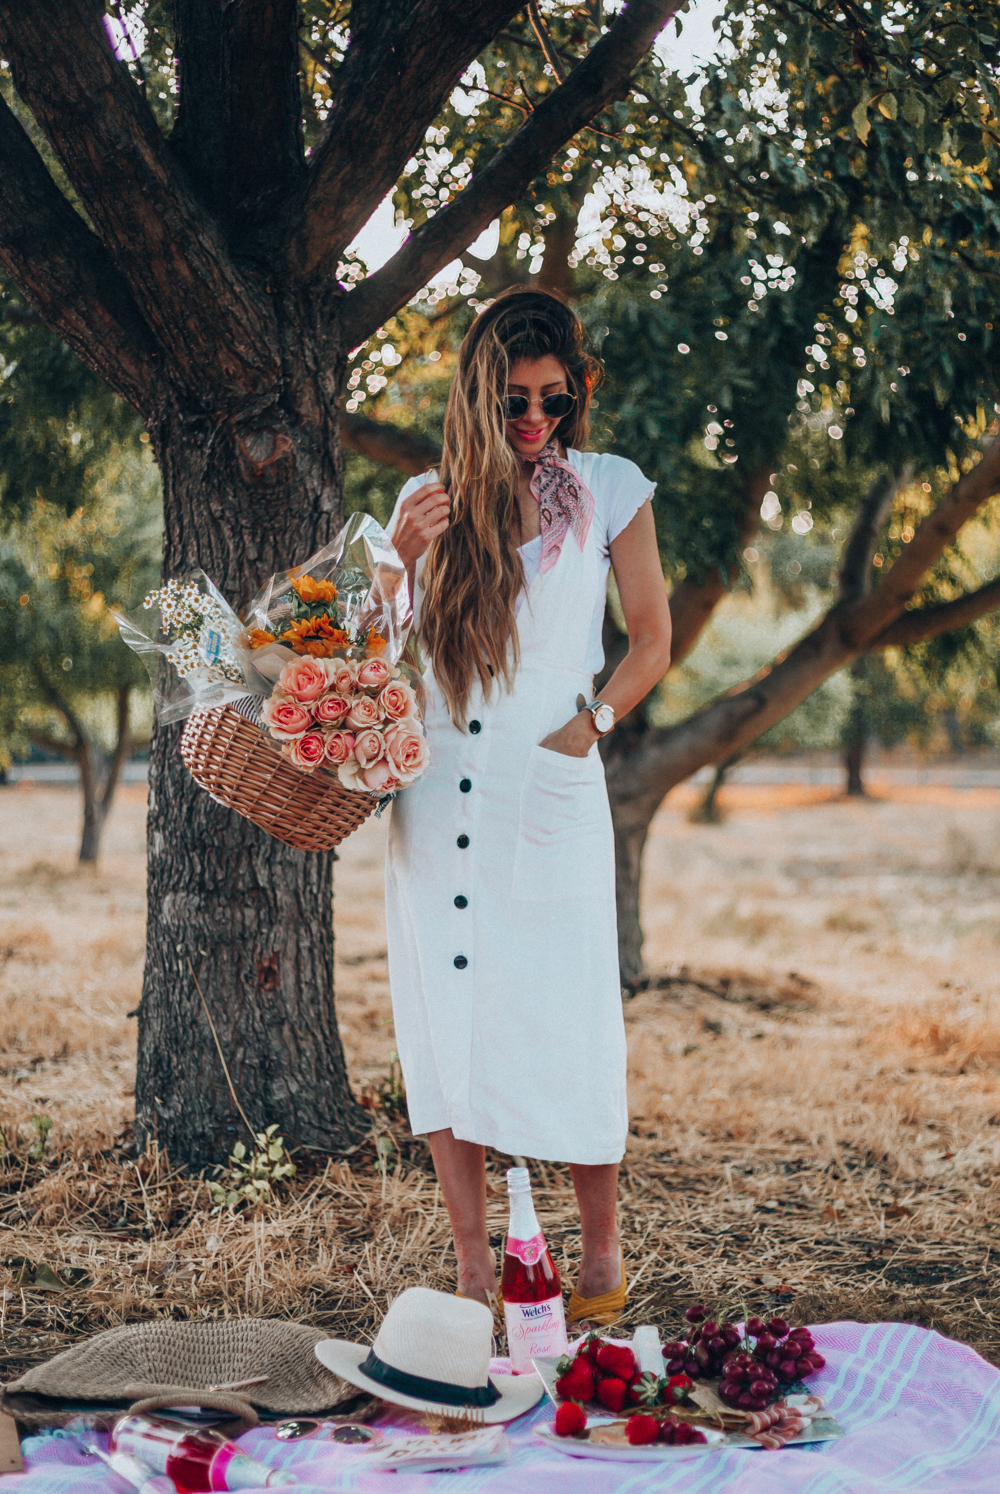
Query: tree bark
x=854, y=761
x=243, y=916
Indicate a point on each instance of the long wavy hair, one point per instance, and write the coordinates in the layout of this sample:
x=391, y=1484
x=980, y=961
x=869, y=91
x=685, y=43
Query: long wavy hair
x=473, y=574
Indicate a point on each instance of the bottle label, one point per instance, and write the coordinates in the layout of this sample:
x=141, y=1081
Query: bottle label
x=535, y=1330
x=528, y=1251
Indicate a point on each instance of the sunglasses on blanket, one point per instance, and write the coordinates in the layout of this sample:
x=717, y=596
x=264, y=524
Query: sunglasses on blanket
x=553, y=405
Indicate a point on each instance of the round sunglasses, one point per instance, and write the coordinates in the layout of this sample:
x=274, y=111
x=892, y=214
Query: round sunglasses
x=553, y=405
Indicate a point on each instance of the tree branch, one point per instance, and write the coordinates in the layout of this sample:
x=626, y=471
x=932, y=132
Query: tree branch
x=404, y=58
x=930, y=622
x=693, y=602
x=60, y=704
x=52, y=744
x=381, y=442
x=545, y=41
x=865, y=620
x=165, y=246
x=862, y=542
x=601, y=77
x=239, y=124
x=120, y=753
x=66, y=273
x=670, y=754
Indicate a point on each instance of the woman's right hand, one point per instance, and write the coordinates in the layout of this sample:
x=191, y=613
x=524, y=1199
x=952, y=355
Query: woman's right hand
x=421, y=517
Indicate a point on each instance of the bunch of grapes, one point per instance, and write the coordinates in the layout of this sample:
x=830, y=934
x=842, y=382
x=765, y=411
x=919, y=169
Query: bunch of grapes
x=748, y=1379
x=789, y=1352
x=702, y=1355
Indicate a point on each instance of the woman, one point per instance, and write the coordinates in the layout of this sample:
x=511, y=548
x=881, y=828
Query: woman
x=500, y=875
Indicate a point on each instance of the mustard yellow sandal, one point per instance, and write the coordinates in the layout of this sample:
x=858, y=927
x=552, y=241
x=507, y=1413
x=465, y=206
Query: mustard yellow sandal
x=496, y=1302
x=603, y=1310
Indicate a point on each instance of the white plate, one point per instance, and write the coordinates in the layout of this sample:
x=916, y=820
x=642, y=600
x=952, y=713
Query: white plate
x=656, y=1452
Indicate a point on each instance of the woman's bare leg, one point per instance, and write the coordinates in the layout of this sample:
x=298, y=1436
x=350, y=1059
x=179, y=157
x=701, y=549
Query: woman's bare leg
x=461, y=1171
x=597, y=1197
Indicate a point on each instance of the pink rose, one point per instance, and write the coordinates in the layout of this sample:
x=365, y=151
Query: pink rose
x=364, y=712
x=369, y=747
x=332, y=709
x=285, y=720
x=379, y=778
x=406, y=750
x=305, y=680
x=344, y=675
x=374, y=673
x=339, y=747
x=398, y=700
x=309, y=751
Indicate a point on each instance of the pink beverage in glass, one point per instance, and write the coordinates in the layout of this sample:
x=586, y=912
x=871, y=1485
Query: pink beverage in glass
x=532, y=1296
x=197, y=1460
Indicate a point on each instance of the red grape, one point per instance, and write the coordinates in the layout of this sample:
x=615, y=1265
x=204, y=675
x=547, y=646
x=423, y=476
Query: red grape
x=778, y=1327
x=675, y=1366
x=674, y=1350
x=755, y=1326
x=767, y=1341
x=789, y=1369
x=696, y=1313
x=818, y=1362
x=731, y=1334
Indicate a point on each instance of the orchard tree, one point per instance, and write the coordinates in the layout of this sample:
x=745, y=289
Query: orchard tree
x=793, y=291
x=189, y=248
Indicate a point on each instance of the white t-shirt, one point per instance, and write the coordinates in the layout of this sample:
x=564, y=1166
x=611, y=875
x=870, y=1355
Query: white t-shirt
x=619, y=490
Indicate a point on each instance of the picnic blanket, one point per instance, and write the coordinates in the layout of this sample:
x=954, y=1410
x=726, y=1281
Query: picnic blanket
x=921, y=1412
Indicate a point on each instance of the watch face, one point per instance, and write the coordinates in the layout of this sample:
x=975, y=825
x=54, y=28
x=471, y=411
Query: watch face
x=604, y=718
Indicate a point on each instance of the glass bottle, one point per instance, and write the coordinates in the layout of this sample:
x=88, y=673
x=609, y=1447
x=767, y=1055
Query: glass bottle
x=197, y=1460
x=532, y=1294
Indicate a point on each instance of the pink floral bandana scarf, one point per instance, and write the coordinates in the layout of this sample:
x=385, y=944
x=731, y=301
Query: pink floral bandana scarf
x=565, y=503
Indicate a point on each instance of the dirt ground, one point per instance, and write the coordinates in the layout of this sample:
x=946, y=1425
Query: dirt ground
x=814, y=1082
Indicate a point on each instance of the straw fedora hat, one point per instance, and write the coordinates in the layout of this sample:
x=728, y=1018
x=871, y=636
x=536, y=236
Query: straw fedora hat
x=432, y=1353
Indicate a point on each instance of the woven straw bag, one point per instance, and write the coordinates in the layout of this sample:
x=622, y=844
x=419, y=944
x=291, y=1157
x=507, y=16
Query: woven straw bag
x=176, y=1363
x=231, y=758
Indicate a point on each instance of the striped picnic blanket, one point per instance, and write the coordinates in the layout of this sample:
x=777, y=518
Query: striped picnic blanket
x=921, y=1413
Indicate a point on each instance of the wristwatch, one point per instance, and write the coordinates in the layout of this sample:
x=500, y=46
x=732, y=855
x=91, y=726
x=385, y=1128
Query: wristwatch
x=604, y=716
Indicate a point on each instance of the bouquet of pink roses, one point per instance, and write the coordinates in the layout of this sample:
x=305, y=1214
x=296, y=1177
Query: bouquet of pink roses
x=354, y=716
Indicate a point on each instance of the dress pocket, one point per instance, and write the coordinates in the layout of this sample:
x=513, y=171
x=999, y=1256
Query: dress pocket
x=565, y=844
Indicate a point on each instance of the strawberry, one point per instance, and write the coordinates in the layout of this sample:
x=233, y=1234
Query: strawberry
x=577, y=1384
x=616, y=1359
x=571, y=1419
x=646, y=1389
x=589, y=1348
x=677, y=1388
x=642, y=1429
x=611, y=1393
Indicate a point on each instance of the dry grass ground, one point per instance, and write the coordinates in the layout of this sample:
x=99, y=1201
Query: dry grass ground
x=815, y=1085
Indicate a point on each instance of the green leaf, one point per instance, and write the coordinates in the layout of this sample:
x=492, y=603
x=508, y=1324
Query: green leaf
x=913, y=109
x=887, y=105
x=861, y=122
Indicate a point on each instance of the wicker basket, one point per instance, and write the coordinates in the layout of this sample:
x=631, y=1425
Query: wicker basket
x=231, y=758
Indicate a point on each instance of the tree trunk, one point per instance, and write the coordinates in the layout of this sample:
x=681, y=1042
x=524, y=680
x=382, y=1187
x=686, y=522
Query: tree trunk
x=854, y=759
x=99, y=779
x=244, y=916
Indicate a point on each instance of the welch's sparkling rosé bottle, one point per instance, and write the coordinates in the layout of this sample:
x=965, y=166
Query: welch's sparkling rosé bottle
x=532, y=1295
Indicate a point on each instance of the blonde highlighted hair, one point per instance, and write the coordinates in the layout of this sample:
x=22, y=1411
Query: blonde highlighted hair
x=472, y=574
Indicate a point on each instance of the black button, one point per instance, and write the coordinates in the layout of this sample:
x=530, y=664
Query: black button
x=462, y=842
x=460, y=962
x=465, y=785
x=461, y=902
x=475, y=727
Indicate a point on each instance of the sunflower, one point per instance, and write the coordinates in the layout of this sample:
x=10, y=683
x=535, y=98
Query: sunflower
x=311, y=590
x=316, y=636
x=260, y=637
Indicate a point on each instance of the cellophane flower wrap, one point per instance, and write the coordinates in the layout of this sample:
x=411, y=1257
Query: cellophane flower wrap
x=316, y=660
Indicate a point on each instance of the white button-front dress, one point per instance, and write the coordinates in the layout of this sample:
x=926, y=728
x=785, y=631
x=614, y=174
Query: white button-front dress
x=500, y=892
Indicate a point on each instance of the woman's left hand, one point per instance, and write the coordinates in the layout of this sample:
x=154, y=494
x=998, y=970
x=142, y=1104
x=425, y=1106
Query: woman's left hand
x=575, y=739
